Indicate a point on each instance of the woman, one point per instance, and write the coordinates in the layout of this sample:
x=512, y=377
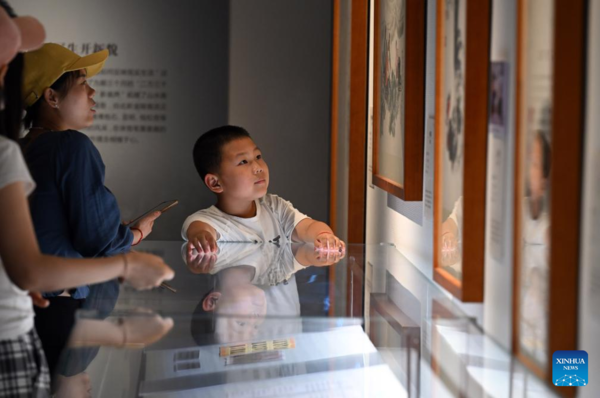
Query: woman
x=74, y=214
x=22, y=266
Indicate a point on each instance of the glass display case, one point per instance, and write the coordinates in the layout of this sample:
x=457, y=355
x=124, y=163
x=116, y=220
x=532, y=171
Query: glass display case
x=269, y=320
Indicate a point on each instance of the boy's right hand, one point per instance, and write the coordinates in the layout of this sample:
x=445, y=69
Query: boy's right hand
x=145, y=271
x=204, y=242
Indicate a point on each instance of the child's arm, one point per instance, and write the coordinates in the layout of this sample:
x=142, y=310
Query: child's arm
x=318, y=233
x=203, y=237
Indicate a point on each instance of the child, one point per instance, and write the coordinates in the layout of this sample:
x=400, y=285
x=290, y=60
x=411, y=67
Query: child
x=232, y=166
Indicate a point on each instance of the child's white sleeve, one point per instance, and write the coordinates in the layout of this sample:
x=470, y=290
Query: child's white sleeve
x=287, y=214
x=203, y=216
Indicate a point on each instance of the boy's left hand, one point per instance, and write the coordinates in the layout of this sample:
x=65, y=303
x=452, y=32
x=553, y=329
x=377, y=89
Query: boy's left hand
x=329, y=242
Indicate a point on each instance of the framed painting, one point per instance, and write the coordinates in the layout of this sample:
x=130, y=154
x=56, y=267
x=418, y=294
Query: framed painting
x=550, y=92
x=462, y=62
x=399, y=97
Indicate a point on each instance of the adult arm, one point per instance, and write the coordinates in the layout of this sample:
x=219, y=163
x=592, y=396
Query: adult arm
x=31, y=270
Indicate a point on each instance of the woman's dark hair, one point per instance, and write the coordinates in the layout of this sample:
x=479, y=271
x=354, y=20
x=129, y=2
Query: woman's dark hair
x=10, y=117
x=9, y=10
x=61, y=86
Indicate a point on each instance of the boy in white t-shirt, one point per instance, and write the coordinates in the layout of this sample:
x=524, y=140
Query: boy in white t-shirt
x=232, y=166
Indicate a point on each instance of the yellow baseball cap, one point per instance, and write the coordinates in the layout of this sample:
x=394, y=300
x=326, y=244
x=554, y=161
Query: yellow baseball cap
x=45, y=66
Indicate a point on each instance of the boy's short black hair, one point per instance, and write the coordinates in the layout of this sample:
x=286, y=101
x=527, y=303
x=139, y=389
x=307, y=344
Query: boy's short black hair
x=207, y=150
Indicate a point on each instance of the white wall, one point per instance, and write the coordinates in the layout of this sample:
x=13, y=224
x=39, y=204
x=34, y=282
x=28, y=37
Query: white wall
x=414, y=241
x=188, y=39
x=384, y=224
x=262, y=64
x=589, y=292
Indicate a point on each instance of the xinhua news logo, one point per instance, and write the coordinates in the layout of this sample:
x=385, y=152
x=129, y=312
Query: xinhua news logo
x=570, y=368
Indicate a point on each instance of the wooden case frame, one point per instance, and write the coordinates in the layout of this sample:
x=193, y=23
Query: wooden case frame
x=478, y=16
x=414, y=109
x=567, y=126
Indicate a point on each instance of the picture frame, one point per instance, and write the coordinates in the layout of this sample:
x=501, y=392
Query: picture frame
x=549, y=138
x=399, y=73
x=462, y=69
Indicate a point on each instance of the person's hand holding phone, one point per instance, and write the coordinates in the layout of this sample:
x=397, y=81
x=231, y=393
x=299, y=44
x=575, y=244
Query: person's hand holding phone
x=143, y=227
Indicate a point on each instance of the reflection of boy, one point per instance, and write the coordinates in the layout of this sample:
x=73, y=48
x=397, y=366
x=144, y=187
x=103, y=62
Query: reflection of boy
x=450, y=252
x=232, y=167
x=534, y=269
x=538, y=173
x=239, y=305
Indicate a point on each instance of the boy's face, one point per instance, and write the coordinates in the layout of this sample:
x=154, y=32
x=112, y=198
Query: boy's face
x=244, y=174
x=240, y=312
x=537, y=182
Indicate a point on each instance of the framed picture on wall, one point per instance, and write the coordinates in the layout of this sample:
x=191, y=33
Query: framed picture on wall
x=550, y=87
x=399, y=97
x=462, y=63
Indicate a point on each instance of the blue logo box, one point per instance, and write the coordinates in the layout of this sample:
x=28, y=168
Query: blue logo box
x=570, y=368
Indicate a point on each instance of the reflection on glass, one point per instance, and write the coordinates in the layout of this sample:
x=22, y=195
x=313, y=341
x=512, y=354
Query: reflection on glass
x=91, y=331
x=449, y=242
x=391, y=94
x=251, y=283
x=536, y=140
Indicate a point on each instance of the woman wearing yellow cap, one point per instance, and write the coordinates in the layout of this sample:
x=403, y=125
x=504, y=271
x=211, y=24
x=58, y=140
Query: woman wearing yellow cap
x=23, y=267
x=74, y=214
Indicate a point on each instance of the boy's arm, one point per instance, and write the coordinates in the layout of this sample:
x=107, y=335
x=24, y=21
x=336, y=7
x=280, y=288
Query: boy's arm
x=203, y=237
x=318, y=233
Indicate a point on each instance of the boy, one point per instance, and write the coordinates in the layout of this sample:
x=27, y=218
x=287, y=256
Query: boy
x=232, y=166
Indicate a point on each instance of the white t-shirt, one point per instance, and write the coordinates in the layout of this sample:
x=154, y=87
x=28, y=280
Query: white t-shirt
x=16, y=308
x=275, y=267
x=275, y=217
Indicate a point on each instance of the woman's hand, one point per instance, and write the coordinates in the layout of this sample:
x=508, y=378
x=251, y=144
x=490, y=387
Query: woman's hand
x=145, y=271
x=145, y=225
x=39, y=300
x=140, y=331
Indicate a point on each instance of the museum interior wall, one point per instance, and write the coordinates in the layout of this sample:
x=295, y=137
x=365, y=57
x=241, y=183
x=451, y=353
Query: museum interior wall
x=236, y=71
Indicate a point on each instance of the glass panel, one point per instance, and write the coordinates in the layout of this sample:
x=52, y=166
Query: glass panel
x=454, y=59
x=392, y=38
x=409, y=340
x=536, y=141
